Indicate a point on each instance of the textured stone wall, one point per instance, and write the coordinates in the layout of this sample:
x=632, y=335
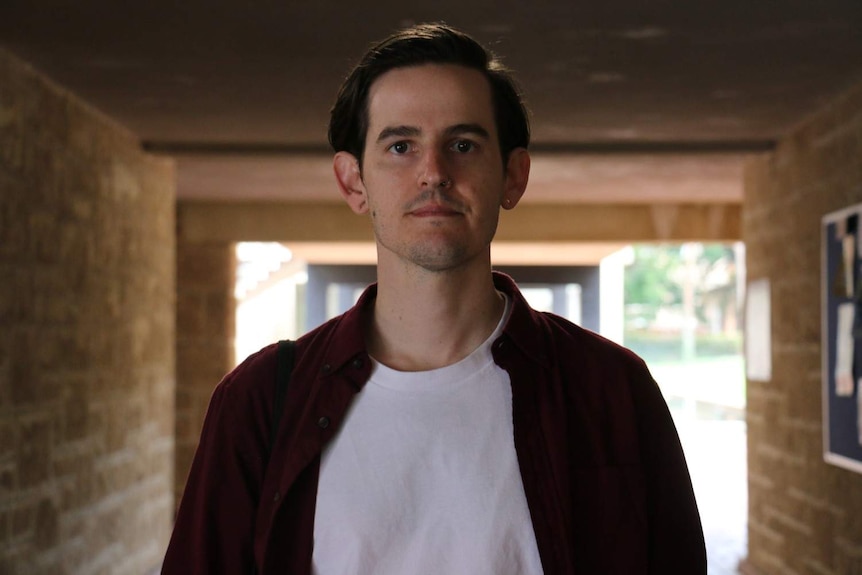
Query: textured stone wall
x=87, y=339
x=206, y=328
x=805, y=517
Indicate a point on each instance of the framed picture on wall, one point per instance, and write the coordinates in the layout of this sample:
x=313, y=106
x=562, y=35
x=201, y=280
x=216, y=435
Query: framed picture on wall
x=841, y=293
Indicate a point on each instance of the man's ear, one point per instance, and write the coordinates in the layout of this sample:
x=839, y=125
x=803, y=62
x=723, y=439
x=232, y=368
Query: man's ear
x=517, y=174
x=349, y=179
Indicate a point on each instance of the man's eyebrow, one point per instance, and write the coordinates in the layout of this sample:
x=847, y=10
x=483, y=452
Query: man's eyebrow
x=474, y=129
x=397, y=131
x=411, y=131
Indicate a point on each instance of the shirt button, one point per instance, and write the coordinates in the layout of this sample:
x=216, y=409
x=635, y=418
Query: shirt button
x=276, y=497
x=326, y=368
x=357, y=363
x=323, y=422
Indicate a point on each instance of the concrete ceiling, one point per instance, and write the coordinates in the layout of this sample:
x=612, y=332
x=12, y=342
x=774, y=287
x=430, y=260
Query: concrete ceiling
x=631, y=101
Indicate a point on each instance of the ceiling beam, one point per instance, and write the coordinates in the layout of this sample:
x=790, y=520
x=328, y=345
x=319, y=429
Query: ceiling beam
x=540, y=223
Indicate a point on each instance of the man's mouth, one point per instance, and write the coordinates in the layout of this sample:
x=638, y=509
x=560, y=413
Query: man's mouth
x=433, y=204
x=434, y=210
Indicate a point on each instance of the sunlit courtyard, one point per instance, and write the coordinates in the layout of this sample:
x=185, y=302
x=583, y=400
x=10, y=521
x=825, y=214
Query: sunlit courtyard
x=707, y=400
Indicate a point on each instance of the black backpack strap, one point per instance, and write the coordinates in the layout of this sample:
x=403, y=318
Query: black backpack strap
x=285, y=356
x=286, y=353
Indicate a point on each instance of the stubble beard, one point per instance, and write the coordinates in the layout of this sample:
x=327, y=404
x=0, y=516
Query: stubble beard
x=440, y=254
x=433, y=255
x=441, y=259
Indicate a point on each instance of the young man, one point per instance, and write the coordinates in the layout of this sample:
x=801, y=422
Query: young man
x=441, y=425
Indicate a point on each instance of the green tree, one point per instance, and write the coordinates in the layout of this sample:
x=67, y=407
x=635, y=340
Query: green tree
x=650, y=281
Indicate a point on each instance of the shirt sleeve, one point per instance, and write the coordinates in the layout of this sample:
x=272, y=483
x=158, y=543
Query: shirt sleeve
x=676, y=543
x=214, y=528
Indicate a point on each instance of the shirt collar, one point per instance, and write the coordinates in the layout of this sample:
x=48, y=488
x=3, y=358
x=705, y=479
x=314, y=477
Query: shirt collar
x=347, y=342
x=522, y=328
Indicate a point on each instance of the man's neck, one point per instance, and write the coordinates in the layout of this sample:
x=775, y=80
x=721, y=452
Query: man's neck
x=425, y=320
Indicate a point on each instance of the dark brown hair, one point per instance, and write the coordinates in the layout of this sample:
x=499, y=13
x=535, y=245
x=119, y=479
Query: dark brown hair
x=426, y=44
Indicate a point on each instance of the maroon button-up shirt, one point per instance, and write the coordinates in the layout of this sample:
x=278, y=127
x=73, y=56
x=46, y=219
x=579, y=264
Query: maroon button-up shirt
x=603, y=470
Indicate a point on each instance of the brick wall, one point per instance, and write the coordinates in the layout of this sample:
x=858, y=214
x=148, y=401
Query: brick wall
x=805, y=517
x=87, y=338
x=206, y=326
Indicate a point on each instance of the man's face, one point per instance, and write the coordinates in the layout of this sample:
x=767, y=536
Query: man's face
x=432, y=174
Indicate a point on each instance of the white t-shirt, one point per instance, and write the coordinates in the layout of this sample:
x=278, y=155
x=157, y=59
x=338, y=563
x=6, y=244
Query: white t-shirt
x=422, y=478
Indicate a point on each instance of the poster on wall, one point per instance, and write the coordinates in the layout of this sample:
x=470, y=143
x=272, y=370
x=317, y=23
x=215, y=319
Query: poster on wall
x=841, y=293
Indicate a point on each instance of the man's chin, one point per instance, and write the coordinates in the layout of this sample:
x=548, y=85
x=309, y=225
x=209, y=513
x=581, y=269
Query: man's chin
x=443, y=259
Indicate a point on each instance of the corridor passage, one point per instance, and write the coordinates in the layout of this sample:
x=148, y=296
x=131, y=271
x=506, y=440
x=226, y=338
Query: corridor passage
x=716, y=453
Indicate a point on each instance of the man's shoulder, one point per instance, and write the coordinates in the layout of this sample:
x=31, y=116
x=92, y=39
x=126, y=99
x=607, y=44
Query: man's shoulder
x=569, y=334
x=565, y=339
x=594, y=371
x=254, y=369
x=264, y=360
x=308, y=348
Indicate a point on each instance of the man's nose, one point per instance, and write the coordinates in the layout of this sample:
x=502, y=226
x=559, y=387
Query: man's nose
x=434, y=171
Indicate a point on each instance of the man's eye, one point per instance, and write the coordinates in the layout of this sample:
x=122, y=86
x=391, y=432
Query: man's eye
x=463, y=146
x=400, y=147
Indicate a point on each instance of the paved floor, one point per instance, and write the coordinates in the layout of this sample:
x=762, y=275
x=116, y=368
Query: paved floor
x=716, y=454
